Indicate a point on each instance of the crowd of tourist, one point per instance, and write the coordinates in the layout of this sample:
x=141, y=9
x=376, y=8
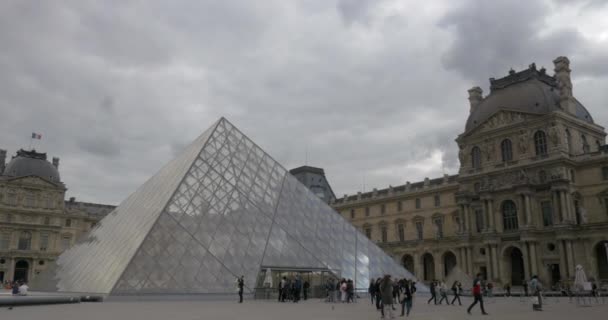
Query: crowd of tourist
x=18, y=288
x=290, y=289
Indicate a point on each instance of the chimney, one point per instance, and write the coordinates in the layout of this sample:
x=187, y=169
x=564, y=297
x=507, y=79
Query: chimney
x=72, y=199
x=564, y=85
x=2, y=160
x=56, y=162
x=475, y=97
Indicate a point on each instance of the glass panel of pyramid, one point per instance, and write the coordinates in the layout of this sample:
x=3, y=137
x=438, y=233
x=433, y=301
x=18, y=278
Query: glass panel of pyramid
x=221, y=209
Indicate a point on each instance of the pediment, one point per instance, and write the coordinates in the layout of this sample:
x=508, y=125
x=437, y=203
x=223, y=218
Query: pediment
x=34, y=181
x=502, y=118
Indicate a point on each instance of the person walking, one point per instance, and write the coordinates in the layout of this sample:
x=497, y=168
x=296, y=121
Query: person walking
x=406, y=303
x=297, y=288
x=455, y=289
x=282, y=289
x=477, y=295
x=240, y=283
x=305, y=289
x=372, y=290
x=378, y=294
x=536, y=287
x=386, y=289
x=443, y=292
x=433, y=288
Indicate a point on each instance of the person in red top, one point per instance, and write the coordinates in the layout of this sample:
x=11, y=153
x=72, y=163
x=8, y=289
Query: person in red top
x=477, y=295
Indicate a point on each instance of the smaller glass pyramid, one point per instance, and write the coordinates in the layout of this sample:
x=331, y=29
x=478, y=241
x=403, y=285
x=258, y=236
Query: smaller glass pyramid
x=221, y=209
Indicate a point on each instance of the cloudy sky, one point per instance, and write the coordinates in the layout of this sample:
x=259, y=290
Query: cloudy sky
x=375, y=90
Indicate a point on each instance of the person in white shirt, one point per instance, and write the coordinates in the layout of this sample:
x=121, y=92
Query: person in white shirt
x=23, y=289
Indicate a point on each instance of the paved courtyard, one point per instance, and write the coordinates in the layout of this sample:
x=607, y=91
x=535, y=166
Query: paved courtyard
x=499, y=308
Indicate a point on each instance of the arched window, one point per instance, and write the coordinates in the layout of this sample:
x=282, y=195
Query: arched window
x=25, y=241
x=509, y=215
x=540, y=143
x=507, y=150
x=476, y=157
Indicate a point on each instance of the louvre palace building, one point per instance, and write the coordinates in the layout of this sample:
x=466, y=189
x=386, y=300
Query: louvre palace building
x=530, y=197
x=36, y=222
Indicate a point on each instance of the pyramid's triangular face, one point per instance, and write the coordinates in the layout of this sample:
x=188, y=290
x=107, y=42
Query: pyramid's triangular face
x=221, y=209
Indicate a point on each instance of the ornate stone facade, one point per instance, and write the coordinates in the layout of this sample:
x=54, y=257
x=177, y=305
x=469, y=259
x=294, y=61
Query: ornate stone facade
x=36, y=224
x=531, y=196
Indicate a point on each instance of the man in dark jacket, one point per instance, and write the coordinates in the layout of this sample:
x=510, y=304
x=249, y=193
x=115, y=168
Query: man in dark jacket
x=241, y=284
x=477, y=295
x=406, y=303
x=386, y=291
x=433, y=288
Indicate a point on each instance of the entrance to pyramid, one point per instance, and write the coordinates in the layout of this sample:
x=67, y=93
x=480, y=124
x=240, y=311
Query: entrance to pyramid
x=269, y=281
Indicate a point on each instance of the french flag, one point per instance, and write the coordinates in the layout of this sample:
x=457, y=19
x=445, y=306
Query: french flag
x=36, y=135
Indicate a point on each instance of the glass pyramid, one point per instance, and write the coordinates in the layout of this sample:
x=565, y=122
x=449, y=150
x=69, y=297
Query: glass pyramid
x=221, y=209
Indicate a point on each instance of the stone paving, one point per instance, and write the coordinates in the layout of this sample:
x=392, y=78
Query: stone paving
x=499, y=308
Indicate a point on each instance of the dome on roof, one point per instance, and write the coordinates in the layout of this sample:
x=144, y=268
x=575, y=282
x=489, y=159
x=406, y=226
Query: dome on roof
x=528, y=91
x=31, y=163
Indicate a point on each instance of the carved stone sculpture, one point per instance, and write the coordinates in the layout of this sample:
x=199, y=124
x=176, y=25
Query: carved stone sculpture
x=554, y=135
x=523, y=143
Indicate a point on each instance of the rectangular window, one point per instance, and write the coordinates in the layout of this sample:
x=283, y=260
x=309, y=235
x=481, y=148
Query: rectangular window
x=399, y=206
x=367, y=211
x=439, y=228
x=382, y=209
x=12, y=199
x=5, y=240
x=418, y=203
x=368, y=233
x=68, y=222
x=419, y=226
x=352, y=213
x=437, y=200
x=479, y=220
x=605, y=173
x=65, y=243
x=547, y=211
x=44, y=241
x=401, y=231
x=384, y=234
x=30, y=200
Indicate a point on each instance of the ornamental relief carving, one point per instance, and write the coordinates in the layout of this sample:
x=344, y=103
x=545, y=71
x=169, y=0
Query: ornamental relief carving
x=521, y=177
x=503, y=118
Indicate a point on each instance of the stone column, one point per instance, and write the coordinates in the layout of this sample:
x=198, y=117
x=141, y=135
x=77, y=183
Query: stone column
x=526, y=257
x=528, y=210
x=439, y=270
x=562, y=260
x=571, y=262
x=10, y=272
x=417, y=264
x=467, y=214
x=496, y=269
x=562, y=207
x=470, y=260
x=533, y=258
x=489, y=262
x=570, y=207
x=492, y=221
x=556, y=206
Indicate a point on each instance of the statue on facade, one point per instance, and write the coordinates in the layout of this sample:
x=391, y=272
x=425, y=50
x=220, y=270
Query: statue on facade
x=523, y=143
x=554, y=135
x=461, y=155
x=489, y=150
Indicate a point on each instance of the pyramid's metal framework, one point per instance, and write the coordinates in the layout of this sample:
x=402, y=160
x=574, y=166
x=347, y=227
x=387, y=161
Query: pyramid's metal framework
x=221, y=209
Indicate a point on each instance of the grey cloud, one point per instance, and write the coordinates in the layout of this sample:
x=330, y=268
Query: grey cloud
x=118, y=88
